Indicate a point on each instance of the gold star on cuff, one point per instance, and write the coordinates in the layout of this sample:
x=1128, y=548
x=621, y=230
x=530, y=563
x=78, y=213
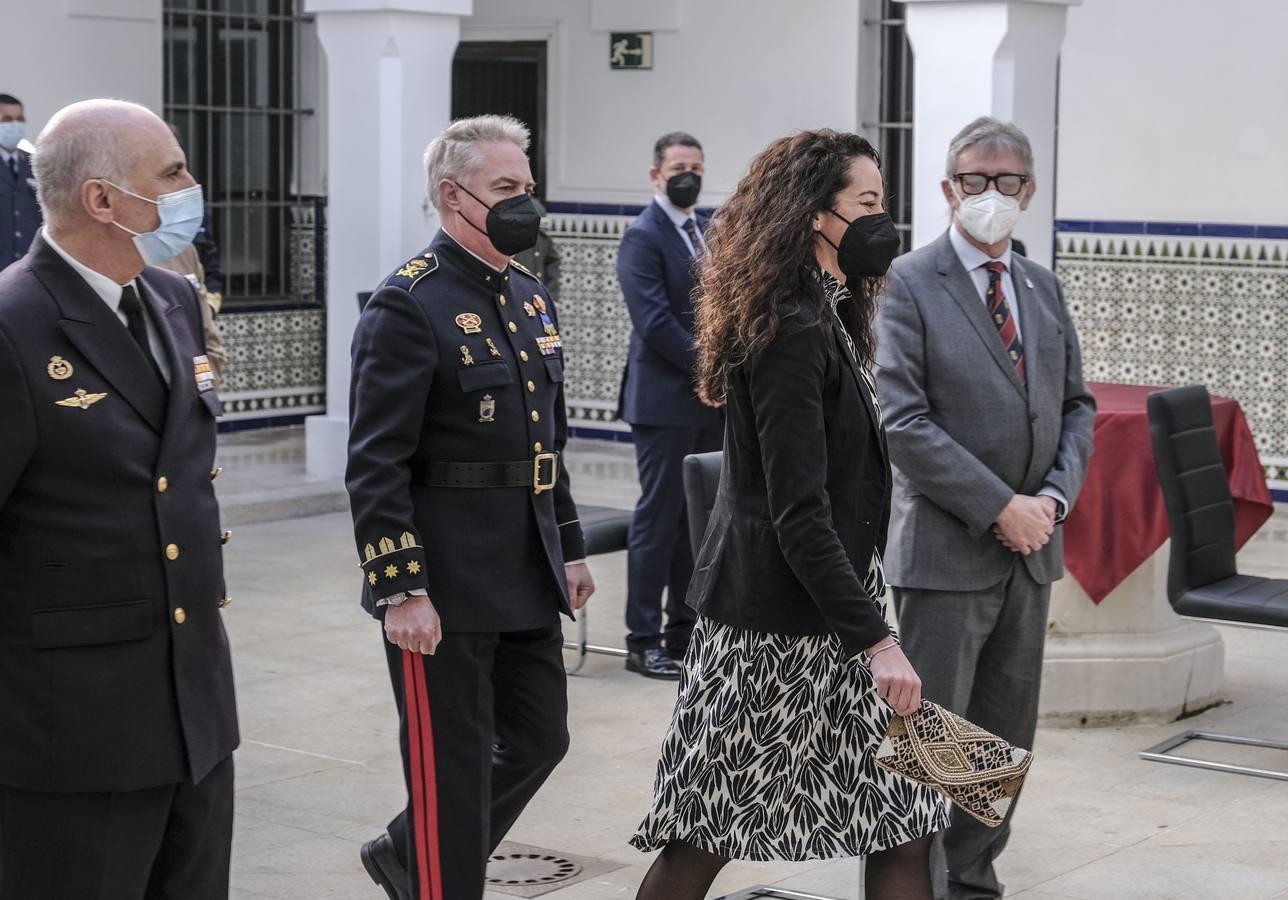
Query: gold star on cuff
x=413, y=568
x=371, y=577
x=391, y=571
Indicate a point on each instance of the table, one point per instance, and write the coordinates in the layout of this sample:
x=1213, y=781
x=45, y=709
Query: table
x=1115, y=650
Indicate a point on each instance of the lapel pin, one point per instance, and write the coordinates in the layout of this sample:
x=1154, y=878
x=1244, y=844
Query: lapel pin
x=530, y=310
x=469, y=323
x=466, y=359
x=491, y=348
x=59, y=369
x=538, y=303
x=1028, y=282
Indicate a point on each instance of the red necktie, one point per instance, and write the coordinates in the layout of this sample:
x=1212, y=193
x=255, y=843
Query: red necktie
x=1000, y=312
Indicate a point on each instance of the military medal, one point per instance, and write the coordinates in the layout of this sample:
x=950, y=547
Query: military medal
x=539, y=303
x=59, y=369
x=203, y=373
x=466, y=359
x=491, y=348
x=487, y=409
x=469, y=323
x=530, y=310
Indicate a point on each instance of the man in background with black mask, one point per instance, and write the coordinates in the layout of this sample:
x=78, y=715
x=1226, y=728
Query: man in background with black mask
x=466, y=530
x=657, y=266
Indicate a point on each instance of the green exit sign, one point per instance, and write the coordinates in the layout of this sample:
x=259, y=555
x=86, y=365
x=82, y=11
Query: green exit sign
x=630, y=50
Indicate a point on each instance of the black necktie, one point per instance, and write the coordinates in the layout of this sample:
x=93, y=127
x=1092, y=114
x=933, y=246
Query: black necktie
x=132, y=306
x=13, y=166
x=691, y=229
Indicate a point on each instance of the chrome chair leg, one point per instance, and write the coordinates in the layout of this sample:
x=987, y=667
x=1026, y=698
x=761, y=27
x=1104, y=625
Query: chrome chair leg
x=1160, y=753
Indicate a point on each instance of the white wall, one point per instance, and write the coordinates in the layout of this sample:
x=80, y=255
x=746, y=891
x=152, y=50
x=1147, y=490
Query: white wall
x=1174, y=110
x=59, y=51
x=735, y=73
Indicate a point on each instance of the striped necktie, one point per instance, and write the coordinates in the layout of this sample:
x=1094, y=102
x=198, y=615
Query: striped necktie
x=691, y=229
x=1000, y=312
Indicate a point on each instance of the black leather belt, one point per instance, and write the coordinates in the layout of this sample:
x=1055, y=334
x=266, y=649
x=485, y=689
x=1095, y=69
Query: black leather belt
x=538, y=473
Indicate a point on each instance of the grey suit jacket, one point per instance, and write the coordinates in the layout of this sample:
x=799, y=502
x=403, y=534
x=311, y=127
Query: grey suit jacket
x=965, y=433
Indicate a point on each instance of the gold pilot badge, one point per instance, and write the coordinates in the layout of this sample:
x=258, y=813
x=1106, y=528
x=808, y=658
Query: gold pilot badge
x=81, y=400
x=487, y=409
x=59, y=369
x=469, y=323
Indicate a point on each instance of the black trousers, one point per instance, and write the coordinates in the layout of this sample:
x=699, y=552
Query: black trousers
x=164, y=843
x=484, y=721
x=658, y=554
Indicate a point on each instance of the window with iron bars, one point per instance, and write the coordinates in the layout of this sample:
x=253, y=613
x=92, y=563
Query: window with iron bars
x=235, y=79
x=894, y=128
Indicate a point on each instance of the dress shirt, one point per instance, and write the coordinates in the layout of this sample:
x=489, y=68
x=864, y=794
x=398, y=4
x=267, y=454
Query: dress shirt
x=973, y=260
x=678, y=217
x=110, y=292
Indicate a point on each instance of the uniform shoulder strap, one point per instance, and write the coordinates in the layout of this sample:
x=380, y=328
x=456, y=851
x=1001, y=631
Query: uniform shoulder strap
x=413, y=271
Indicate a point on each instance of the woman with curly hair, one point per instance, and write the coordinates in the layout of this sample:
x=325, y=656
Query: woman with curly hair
x=792, y=674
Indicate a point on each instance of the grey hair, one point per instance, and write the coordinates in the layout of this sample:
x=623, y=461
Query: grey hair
x=990, y=134
x=70, y=153
x=454, y=154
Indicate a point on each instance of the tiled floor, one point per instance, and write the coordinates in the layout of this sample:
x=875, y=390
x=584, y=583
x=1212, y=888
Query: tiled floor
x=318, y=770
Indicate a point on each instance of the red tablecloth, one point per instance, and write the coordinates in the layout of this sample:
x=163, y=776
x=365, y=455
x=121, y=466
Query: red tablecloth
x=1119, y=520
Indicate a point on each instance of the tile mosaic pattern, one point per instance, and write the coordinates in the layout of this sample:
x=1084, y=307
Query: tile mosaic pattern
x=276, y=363
x=1178, y=310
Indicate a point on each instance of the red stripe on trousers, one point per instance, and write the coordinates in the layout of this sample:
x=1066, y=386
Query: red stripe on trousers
x=424, y=778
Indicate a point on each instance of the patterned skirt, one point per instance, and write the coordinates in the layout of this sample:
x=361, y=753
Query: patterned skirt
x=770, y=755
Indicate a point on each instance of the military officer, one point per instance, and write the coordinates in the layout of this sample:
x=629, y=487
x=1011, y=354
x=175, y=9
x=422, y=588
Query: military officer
x=19, y=211
x=116, y=688
x=466, y=529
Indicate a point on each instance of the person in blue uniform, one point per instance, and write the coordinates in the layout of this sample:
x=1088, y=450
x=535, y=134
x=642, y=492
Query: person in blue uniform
x=19, y=211
x=466, y=529
x=117, y=717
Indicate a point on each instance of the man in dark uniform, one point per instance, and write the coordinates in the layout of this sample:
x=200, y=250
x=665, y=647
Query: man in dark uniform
x=116, y=688
x=466, y=529
x=19, y=212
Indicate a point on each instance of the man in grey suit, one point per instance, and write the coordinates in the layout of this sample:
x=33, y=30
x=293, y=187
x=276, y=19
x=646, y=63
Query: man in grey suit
x=989, y=425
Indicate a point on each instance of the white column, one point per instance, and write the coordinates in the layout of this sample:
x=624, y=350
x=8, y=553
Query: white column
x=388, y=92
x=984, y=57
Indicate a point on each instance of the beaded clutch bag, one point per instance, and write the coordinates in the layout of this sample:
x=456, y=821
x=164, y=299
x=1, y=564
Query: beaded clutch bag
x=975, y=769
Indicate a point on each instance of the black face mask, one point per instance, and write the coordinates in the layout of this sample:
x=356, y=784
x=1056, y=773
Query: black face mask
x=869, y=245
x=512, y=224
x=683, y=189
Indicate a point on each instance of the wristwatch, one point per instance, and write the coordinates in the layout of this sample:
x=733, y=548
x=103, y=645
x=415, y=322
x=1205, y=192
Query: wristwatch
x=397, y=599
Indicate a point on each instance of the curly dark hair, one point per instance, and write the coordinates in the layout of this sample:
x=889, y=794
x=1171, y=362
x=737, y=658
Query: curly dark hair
x=760, y=261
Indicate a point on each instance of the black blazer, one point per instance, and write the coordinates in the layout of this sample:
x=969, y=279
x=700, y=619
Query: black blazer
x=804, y=493
x=104, y=685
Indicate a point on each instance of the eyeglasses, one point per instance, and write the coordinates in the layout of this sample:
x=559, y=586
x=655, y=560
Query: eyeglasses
x=1007, y=183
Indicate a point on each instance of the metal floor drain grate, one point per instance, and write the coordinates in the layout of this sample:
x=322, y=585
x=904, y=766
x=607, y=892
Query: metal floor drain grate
x=764, y=892
x=523, y=871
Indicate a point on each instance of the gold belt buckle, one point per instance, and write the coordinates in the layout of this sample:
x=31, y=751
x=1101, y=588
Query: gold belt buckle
x=539, y=486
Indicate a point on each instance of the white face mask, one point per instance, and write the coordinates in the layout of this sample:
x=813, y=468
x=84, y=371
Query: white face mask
x=988, y=217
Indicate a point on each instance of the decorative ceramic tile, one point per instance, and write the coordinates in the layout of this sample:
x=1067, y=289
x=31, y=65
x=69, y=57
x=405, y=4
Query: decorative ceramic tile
x=276, y=363
x=1183, y=310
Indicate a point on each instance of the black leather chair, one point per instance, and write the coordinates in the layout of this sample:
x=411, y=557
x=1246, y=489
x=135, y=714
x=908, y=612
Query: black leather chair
x=605, y=530
x=701, y=483
x=1203, y=582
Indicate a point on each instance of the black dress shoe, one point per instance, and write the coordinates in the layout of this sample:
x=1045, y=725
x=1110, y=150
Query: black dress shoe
x=652, y=663
x=675, y=653
x=381, y=862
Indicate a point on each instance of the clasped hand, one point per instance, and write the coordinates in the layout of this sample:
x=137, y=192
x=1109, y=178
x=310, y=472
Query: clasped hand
x=1026, y=524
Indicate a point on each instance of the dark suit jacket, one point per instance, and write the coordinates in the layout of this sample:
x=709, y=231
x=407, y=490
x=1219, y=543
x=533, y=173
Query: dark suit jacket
x=425, y=390
x=656, y=272
x=19, y=212
x=101, y=687
x=804, y=494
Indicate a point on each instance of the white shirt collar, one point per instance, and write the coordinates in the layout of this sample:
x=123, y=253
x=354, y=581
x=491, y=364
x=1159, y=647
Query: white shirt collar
x=7, y=155
x=677, y=216
x=469, y=251
x=105, y=287
x=971, y=256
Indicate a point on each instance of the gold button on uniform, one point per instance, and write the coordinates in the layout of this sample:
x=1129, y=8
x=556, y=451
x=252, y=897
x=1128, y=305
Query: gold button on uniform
x=523, y=355
x=163, y=484
x=536, y=448
x=513, y=328
x=536, y=416
x=171, y=551
x=500, y=298
x=531, y=387
x=180, y=616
